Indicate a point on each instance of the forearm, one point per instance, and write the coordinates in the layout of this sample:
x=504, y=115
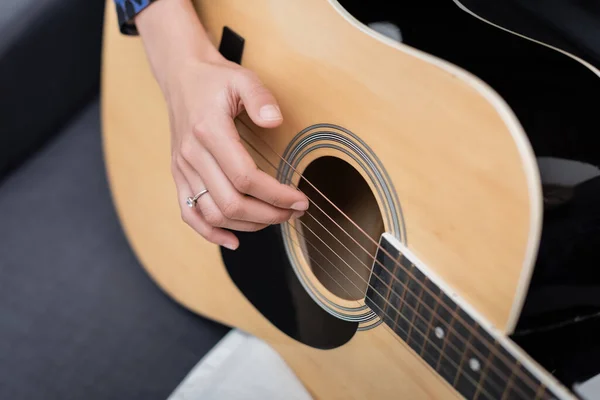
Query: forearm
x=172, y=34
x=204, y=93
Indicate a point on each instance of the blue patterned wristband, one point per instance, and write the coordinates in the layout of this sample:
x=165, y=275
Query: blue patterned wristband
x=126, y=11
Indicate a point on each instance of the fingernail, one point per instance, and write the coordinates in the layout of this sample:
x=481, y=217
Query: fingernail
x=230, y=246
x=270, y=113
x=300, y=206
x=297, y=214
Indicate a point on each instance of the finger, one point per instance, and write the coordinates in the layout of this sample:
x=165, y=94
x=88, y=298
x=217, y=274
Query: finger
x=232, y=203
x=221, y=139
x=209, y=209
x=258, y=101
x=195, y=221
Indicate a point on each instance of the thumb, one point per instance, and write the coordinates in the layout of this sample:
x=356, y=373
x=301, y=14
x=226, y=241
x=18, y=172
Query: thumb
x=258, y=101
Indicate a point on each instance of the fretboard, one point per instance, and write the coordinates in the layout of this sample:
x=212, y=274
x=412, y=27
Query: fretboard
x=444, y=335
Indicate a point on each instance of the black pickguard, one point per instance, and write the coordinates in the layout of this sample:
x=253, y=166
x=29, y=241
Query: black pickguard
x=556, y=100
x=262, y=271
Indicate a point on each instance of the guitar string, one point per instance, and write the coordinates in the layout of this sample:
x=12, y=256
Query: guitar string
x=450, y=327
x=499, y=355
x=406, y=304
x=464, y=341
x=520, y=374
x=426, y=340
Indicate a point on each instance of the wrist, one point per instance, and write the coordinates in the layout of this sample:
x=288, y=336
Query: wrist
x=173, y=36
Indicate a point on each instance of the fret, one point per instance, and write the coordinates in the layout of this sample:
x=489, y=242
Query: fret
x=385, y=266
x=427, y=310
x=547, y=395
x=483, y=384
x=374, y=298
x=436, y=335
x=541, y=393
x=501, y=365
x=509, y=393
x=392, y=314
x=391, y=310
x=525, y=385
x=417, y=328
x=403, y=324
x=380, y=279
x=378, y=291
x=469, y=370
x=467, y=381
x=399, y=288
x=447, y=365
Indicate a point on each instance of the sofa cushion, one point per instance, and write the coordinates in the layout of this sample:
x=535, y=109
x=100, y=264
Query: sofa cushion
x=79, y=317
x=49, y=68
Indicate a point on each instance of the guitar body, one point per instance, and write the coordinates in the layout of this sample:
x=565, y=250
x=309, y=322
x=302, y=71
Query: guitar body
x=403, y=142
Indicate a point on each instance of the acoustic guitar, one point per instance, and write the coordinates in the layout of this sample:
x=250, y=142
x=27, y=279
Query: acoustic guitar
x=429, y=165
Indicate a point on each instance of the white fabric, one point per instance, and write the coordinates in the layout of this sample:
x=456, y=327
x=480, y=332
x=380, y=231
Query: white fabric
x=565, y=172
x=590, y=389
x=387, y=29
x=241, y=367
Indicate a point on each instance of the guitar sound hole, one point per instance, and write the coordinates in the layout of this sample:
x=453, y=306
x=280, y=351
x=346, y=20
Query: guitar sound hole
x=339, y=253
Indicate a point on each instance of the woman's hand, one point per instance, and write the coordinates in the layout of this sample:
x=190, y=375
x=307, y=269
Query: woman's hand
x=204, y=93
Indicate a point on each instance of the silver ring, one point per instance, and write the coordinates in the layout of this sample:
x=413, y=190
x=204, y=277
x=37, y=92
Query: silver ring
x=191, y=201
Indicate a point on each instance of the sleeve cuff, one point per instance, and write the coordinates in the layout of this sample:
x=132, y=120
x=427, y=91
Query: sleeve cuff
x=126, y=11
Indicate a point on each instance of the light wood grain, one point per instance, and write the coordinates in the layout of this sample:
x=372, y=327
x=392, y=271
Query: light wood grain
x=455, y=154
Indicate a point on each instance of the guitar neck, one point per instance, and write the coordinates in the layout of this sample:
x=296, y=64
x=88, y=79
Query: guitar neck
x=464, y=350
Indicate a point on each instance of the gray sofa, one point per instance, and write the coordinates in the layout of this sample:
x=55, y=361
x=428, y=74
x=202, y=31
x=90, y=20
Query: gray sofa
x=79, y=318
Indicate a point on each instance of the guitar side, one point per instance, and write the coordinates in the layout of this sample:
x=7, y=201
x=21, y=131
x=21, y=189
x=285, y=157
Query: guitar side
x=456, y=235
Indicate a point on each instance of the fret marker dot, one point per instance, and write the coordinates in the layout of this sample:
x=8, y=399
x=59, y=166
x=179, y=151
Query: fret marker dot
x=439, y=332
x=474, y=364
